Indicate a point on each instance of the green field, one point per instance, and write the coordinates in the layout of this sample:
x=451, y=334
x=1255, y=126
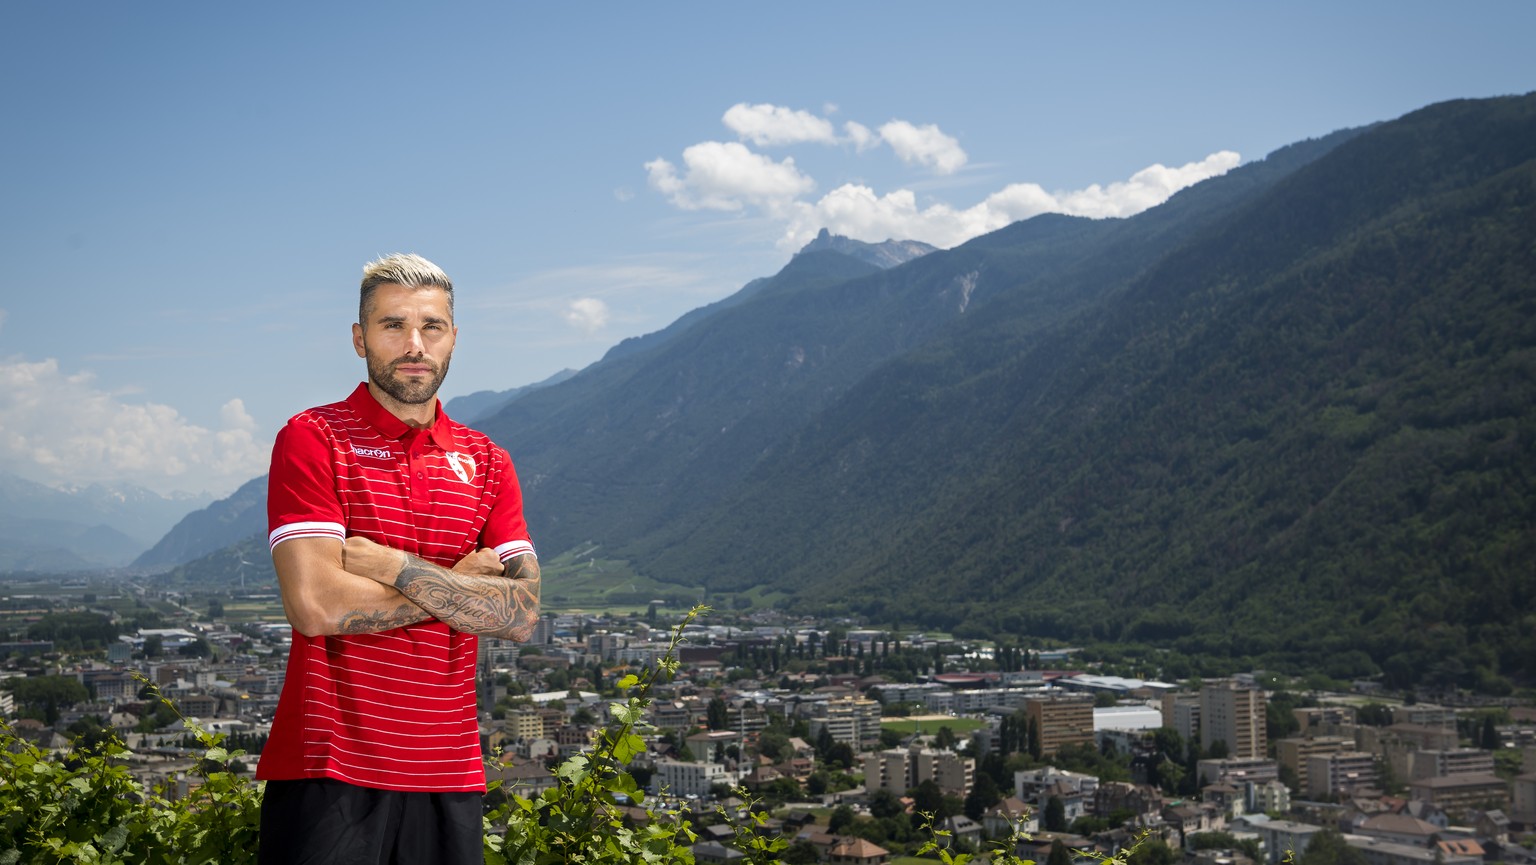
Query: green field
x=581, y=581
x=930, y=725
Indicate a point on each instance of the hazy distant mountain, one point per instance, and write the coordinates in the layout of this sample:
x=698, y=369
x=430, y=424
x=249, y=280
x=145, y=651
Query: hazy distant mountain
x=226, y=521
x=882, y=255
x=471, y=407
x=83, y=527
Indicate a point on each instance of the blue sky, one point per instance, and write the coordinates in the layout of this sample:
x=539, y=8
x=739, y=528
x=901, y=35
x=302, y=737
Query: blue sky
x=188, y=191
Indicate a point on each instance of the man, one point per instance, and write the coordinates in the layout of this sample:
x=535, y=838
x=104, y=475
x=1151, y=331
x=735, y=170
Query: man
x=397, y=535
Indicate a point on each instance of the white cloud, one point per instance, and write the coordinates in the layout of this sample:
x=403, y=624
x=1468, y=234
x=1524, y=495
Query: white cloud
x=862, y=136
x=728, y=176
x=924, y=145
x=588, y=314
x=858, y=212
x=773, y=125
x=62, y=429
x=1146, y=188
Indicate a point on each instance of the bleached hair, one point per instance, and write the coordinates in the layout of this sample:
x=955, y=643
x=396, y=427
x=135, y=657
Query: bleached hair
x=402, y=268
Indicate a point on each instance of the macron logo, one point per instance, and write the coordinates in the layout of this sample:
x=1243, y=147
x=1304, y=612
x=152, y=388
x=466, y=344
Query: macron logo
x=376, y=453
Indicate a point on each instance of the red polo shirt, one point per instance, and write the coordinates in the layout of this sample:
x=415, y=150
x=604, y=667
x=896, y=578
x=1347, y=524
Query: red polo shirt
x=393, y=710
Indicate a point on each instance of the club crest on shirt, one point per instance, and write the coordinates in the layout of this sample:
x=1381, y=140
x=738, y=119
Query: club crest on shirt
x=463, y=465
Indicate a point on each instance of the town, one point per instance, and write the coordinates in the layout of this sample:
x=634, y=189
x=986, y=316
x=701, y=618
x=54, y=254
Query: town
x=857, y=742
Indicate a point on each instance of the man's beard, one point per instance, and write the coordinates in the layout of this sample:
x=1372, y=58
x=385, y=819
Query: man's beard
x=404, y=391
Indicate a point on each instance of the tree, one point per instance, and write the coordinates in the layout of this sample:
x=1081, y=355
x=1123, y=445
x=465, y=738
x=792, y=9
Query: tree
x=1054, y=818
x=840, y=754
x=1489, y=738
x=1059, y=854
x=1329, y=848
x=883, y=803
x=945, y=739
x=927, y=798
x=718, y=714
x=43, y=697
x=984, y=794
x=198, y=648
x=841, y=818
x=801, y=852
x=1152, y=851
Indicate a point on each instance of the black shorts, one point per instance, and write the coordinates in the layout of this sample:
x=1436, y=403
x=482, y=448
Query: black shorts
x=324, y=822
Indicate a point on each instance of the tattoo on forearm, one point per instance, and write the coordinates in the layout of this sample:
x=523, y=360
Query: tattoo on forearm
x=370, y=622
x=506, y=606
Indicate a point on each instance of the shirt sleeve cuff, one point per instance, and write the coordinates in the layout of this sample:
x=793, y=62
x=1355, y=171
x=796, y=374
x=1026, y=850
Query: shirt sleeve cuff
x=306, y=530
x=514, y=548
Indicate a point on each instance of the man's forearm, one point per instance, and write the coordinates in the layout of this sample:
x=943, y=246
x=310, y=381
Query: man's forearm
x=321, y=598
x=372, y=621
x=505, y=606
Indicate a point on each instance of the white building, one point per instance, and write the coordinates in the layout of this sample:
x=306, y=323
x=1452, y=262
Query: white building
x=677, y=778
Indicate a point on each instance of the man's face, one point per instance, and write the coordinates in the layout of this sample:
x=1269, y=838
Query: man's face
x=407, y=341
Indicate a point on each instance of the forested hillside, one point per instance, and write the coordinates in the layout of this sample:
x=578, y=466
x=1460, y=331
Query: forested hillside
x=1288, y=416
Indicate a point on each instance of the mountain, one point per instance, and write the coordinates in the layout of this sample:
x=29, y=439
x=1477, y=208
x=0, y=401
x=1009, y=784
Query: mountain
x=882, y=255
x=1287, y=417
x=639, y=451
x=81, y=528
x=234, y=518
x=471, y=407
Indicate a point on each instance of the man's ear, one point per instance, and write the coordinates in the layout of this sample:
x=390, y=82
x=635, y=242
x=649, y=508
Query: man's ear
x=357, y=341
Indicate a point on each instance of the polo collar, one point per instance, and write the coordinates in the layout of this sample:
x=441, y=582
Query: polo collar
x=362, y=402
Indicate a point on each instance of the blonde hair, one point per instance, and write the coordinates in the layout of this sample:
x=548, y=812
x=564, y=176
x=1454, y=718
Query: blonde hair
x=402, y=268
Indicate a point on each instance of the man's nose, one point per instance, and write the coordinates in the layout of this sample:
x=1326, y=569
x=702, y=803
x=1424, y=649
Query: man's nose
x=414, y=343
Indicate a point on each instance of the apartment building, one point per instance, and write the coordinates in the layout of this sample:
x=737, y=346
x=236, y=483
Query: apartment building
x=524, y=724
x=678, y=778
x=1341, y=773
x=1439, y=762
x=1061, y=719
x=1181, y=713
x=854, y=721
x=1292, y=753
x=899, y=770
x=1456, y=794
x=1235, y=716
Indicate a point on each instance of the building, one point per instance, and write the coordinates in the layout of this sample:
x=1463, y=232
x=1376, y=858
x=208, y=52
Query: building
x=1327, y=720
x=1456, y=794
x=524, y=724
x=1292, y=753
x=899, y=770
x=1075, y=790
x=1061, y=719
x=1280, y=837
x=854, y=721
x=1425, y=715
x=1379, y=852
x=677, y=778
x=1524, y=809
x=1341, y=773
x=1237, y=770
x=1181, y=713
x=1398, y=829
x=1437, y=763
x=1270, y=797
x=1234, y=716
